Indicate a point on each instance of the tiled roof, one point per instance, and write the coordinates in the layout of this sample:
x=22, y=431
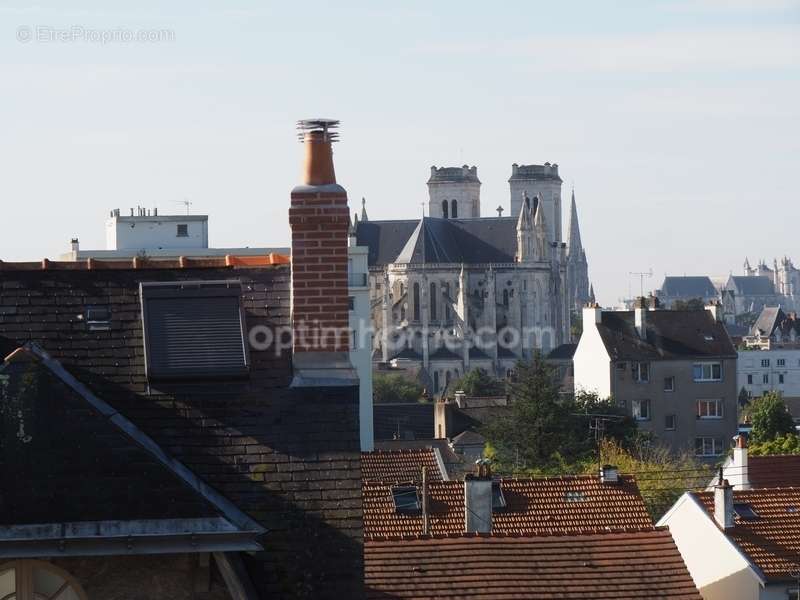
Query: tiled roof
x=609, y=566
x=399, y=465
x=534, y=506
x=771, y=541
x=671, y=334
x=288, y=457
x=774, y=471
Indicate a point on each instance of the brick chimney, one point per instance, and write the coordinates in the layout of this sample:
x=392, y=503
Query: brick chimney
x=319, y=219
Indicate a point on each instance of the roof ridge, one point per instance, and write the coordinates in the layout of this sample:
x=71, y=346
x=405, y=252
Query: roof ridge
x=519, y=534
x=136, y=263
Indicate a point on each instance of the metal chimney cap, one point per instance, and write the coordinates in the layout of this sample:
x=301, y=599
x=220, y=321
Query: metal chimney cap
x=325, y=126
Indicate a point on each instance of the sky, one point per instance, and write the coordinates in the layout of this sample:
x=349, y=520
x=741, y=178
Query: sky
x=677, y=122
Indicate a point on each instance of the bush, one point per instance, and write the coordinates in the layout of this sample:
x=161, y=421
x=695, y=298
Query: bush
x=477, y=382
x=394, y=388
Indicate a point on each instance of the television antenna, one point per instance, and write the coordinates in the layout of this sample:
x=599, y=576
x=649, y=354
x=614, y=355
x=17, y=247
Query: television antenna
x=186, y=202
x=642, y=275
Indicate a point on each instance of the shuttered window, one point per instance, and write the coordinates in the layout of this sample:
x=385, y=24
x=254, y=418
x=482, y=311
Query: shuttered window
x=193, y=330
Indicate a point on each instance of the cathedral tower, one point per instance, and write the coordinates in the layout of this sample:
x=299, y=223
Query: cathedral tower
x=577, y=265
x=542, y=181
x=455, y=193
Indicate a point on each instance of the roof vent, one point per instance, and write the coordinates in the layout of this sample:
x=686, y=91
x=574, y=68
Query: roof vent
x=609, y=474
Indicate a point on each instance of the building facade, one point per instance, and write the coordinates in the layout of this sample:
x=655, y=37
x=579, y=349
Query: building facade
x=673, y=371
x=457, y=291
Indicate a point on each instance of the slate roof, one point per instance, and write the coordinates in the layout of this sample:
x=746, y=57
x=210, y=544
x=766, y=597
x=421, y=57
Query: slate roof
x=289, y=458
x=543, y=506
x=671, y=334
x=409, y=420
x=768, y=320
x=400, y=465
x=609, y=566
x=756, y=285
x=563, y=352
x=433, y=240
x=688, y=287
x=771, y=541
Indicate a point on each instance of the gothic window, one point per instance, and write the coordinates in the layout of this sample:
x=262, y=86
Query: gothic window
x=447, y=378
x=505, y=298
x=403, y=312
x=37, y=580
x=436, y=382
x=454, y=211
x=444, y=209
x=433, y=302
x=402, y=288
x=416, y=301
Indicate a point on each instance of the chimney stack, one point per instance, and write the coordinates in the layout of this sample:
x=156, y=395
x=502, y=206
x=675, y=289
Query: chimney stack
x=723, y=503
x=75, y=245
x=319, y=219
x=478, y=500
x=592, y=313
x=739, y=476
x=715, y=308
x=640, y=316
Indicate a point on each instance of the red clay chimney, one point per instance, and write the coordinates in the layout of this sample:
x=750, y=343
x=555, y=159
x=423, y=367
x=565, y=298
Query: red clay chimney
x=319, y=218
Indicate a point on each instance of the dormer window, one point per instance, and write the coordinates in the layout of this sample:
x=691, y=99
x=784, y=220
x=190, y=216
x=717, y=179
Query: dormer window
x=193, y=329
x=406, y=500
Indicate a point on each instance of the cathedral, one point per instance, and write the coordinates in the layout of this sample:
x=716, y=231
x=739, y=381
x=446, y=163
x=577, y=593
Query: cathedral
x=455, y=290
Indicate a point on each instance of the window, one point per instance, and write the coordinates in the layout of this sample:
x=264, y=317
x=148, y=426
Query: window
x=669, y=422
x=765, y=379
x=183, y=230
x=764, y=362
x=433, y=301
x=640, y=371
x=708, y=446
x=709, y=409
x=750, y=379
x=707, y=371
x=406, y=500
x=669, y=384
x=193, y=329
x=454, y=211
x=444, y=209
x=416, y=301
x=781, y=362
x=780, y=378
x=641, y=410
x=351, y=303
x=745, y=512
x=505, y=298
x=37, y=580
x=498, y=500
x=98, y=318
x=574, y=496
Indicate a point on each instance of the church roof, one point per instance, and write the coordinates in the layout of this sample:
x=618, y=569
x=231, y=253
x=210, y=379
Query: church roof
x=751, y=286
x=699, y=286
x=432, y=240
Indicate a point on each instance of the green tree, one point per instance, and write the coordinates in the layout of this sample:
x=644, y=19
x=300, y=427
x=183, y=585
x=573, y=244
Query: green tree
x=576, y=326
x=770, y=418
x=786, y=444
x=691, y=304
x=394, y=388
x=477, y=382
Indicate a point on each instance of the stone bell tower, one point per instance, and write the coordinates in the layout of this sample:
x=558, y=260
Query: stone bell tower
x=454, y=193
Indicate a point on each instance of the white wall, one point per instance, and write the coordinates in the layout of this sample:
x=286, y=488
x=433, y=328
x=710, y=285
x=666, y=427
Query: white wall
x=142, y=233
x=591, y=361
x=749, y=363
x=361, y=351
x=718, y=569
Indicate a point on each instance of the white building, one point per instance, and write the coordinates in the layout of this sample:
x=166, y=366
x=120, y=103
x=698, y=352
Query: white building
x=762, y=371
x=739, y=544
x=361, y=344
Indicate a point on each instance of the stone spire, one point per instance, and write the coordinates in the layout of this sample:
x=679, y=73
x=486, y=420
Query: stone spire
x=574, y=245
x=525, y=241
x=592, y=299
x=364, y=209
x=540, y=231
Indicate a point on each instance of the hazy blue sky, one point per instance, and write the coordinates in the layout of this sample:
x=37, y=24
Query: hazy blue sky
x=678, y=121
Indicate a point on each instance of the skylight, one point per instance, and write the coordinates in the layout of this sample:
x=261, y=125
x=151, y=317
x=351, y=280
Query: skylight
x=574, y=496
x=745, y=512
x=406, y=499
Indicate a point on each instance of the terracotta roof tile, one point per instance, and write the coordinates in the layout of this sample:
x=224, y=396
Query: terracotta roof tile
x=774, y=471
x=400, y=465
x=772, y=541
x=602, y=566
x=534, y=506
